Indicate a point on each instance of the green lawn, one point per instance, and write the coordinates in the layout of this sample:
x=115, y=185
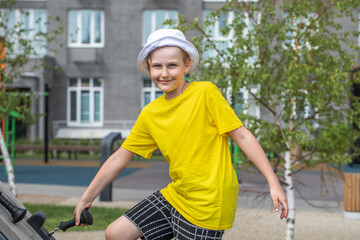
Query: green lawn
x=56, y=214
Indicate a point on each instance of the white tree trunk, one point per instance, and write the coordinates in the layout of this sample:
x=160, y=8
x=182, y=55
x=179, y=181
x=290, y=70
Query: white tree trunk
x=9, y=167
x=290, y=222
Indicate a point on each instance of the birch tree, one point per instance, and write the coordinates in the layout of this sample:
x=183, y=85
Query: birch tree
x=10, y=169
x=22, y=49
x=293, y=60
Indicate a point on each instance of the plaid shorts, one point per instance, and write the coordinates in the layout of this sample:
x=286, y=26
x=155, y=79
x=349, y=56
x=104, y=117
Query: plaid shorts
x=158, y=220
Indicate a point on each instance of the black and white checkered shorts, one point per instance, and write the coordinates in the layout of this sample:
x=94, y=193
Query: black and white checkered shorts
x=158, y=220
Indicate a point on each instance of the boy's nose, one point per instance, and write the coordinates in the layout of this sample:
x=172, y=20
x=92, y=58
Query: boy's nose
x=165, y=73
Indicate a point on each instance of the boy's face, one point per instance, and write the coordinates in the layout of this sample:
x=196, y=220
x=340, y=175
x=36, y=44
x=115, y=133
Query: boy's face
x=167, y=70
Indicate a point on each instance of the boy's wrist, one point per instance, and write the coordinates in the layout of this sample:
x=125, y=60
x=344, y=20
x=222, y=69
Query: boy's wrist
x=87, y=198
x=273, y=181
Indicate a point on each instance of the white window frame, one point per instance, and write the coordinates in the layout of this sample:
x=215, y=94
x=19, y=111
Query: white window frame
x=247, y=97
x=152, y=90
x=153, y=21
x=217, y=35
x=91, y=88
x=31, y=34
x=92, y=43
x=307, y=44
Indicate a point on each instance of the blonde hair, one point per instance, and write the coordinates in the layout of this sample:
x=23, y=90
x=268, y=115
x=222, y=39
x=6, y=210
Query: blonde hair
x=184, y=54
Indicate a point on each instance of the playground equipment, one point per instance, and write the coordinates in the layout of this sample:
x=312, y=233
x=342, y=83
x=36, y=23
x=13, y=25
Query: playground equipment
x=85, y=218
x=106, y=149
x=16, y=223
x=17, y=213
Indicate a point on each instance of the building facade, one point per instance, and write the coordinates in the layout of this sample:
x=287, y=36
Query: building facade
x=99, y=88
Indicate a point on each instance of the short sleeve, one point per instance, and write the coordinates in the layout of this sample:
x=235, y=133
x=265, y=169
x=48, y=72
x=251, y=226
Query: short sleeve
x=223, y=115
x=139, y=140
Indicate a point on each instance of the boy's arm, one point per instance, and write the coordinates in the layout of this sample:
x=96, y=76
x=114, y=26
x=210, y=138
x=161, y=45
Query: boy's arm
x=107, y=173
x=252, y=149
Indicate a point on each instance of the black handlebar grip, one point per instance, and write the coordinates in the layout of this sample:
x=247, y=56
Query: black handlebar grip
x=85, y=218
x=68, y=224
x=17, y=213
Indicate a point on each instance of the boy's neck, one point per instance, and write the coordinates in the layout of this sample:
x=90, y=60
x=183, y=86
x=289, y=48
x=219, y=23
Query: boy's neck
x=172, y=95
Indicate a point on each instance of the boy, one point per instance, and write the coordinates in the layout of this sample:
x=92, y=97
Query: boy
x=189, y=124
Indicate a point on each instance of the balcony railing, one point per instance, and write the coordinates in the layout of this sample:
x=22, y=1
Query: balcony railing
x=107, y=124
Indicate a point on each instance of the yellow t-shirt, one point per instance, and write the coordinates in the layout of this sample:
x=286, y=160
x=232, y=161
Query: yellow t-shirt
x=191, y=132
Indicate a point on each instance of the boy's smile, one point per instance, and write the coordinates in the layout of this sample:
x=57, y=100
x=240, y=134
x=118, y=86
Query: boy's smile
x=167, y=70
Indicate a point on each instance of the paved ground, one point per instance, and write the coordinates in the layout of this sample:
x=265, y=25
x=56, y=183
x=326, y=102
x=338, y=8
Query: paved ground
x=255, y=218
x=264, y=225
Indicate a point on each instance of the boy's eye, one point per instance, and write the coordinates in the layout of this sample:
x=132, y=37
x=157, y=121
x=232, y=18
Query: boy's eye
x=156, y=66
x=172, y=65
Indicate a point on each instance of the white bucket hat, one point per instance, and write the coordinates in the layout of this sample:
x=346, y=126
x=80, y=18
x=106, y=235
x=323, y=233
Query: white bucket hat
x=167, y=37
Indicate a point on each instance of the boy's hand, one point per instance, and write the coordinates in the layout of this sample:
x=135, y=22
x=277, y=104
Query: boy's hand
x=79, y=209
x=277, y=195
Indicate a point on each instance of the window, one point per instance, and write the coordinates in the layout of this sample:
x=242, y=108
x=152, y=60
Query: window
x=154, y=19
x=86, y=28
x=222, y=42
x=297, y=26
x=85, y=102
x=31, y=24
x=245, y=102
x=225, y=41
x=149, y=92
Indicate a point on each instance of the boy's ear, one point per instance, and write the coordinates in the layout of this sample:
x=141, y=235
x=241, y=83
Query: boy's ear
x=187, y=65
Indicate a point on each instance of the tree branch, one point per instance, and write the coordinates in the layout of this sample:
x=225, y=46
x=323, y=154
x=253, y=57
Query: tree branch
x=310, y=117
x=322, y=11
x=209, y=40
